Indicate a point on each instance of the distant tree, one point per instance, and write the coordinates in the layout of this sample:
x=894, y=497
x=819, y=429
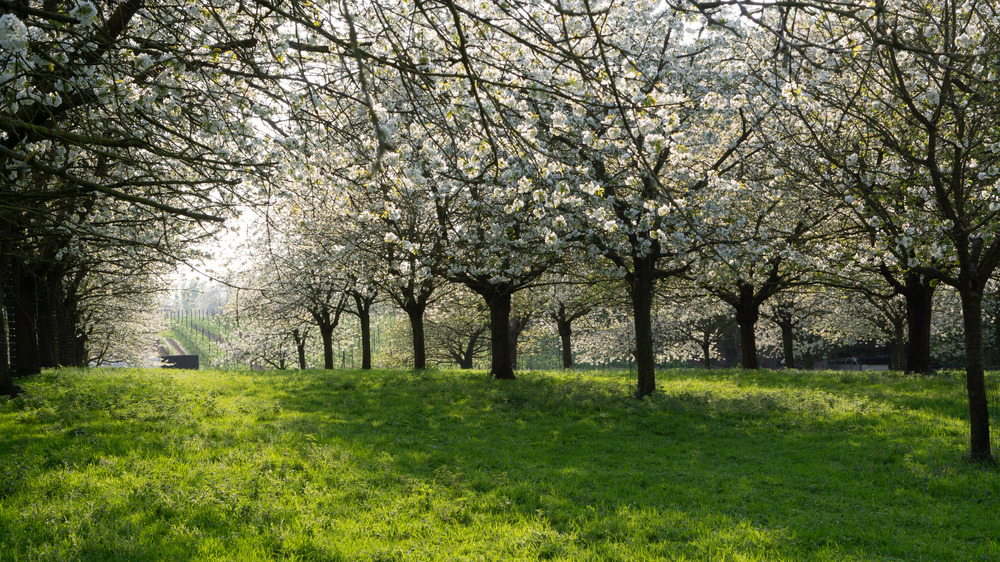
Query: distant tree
x=458, y=324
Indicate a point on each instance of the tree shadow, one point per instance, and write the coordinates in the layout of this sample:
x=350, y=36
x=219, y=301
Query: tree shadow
x=761, y=466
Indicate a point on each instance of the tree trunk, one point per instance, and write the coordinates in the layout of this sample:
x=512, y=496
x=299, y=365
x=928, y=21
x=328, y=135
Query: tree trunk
x=919, y=295
x=706, y=351
x=7, y=386
x=996, y=332
x=415, y=312
x=788, y=342
x=23, y=337
x=48, y=332
x=465, y=360
x=501, y=361
x=326, y=333
x=979, y=415
x=365, y=320
x=641, y=287
x=67, y=324
x=747, y=314
x=565, y=327
x=300, y=347
x=899, y=343
x=517, y=325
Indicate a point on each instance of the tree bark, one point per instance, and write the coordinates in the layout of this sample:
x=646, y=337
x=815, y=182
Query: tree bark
x=48, y=332
x=416, y=315
x=706, y=351
x=788, y=342
x=326, y=333
x=364, y=307
x=300, y=347
x=641, y=284
x=996, y=332
x=23, y=337
x=899, y=347
x=501, y=361
x=565, y=327
x=919, y=295
x=517, y=325
x=747, y=314
x=68, y=327
x=979, y=415
x=7, y=386
x=465, y=359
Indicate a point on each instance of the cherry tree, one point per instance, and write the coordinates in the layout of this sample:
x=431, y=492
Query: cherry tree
x=622, y=100
x=458, y=324
x=899, y=104
x=759, y=240
x=693, y=324
x=113, y=110
x=566, y=298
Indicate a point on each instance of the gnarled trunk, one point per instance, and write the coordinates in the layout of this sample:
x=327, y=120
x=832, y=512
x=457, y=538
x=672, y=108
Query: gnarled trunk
x=326, y=334
x=364, y=307
x=23, y=334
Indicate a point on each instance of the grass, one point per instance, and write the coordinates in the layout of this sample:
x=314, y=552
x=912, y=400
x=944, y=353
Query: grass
x=722, y=465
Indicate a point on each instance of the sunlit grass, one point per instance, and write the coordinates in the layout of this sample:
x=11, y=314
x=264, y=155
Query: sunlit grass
x=721, y=465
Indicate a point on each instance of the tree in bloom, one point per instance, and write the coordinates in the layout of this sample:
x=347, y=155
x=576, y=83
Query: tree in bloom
x=458, y=326
x=899, y=103
x=693, y=324
x=126, y=120
x=757, y=240
x=623, y=100
x=567, y=297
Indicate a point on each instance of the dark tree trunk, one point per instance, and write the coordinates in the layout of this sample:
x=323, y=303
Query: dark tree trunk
x=80, y=341
x=466, y=356
x=51, y=315
x=366, y=340
x=641, y=286
x=565, y=326
x=747, y=314
x=898, y=347
x=24, y=334
x=67, y=328
x=919, y=295
x=788, y=342
x=996, y=332
x=501, y=360
x=364, y=307
x=326, y=334
x=415, y=313
x=300, y=347
x=979, y=416
x=517, y=326
x=465, y=359
x=327, y=318
x=7, y=386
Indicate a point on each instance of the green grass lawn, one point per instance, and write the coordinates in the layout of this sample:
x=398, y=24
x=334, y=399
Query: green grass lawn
x=722, y=465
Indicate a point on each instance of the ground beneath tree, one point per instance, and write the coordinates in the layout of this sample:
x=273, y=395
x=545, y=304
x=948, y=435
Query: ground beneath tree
x=170, y=346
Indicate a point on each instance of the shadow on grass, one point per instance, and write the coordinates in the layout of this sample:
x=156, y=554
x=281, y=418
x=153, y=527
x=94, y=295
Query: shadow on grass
x=798, y=464
x=385, y=465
